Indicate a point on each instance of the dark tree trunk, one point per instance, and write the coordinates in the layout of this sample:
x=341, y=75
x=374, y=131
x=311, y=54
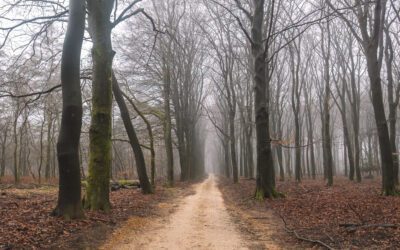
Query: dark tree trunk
x=355, y=108
x=41, y=150
x=233, y=146
x=149, y=130
x=265, y=183
x=393, y=99
x=381, y=124
x=327, y=144
x=69, y=203
x=168, y=126
x=249, y=134
x=3, y=152
x=227, y=161
x=130, y=130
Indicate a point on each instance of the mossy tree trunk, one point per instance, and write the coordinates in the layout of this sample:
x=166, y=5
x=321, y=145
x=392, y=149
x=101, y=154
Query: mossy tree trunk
x=69, y=203
x=97, y=194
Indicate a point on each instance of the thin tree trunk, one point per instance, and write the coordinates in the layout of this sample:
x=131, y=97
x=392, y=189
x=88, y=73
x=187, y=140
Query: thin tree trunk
x=140, y=162
x=168, y=127
x=48, y=146
x=3, y=152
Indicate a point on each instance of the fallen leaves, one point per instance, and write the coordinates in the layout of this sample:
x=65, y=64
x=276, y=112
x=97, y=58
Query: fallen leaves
x=25, y=221
x=318, y=212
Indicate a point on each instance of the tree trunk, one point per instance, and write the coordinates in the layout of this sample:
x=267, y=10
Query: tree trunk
x=151, y=137
x=97, y=195
x=249, y=141
x=327, y=144
x=233, y=146
x=41, y=150
x=168, y=126
x=3, y=152
x=140, y=162
x=48, y=146
x=393, y=99
x=227, y=161
x=265, y=183
x=381, y=123
x=295, y=98
x=310, y=134
x=69, y=203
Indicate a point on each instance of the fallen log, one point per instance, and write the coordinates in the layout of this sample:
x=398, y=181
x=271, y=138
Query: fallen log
x=120, y=184
x=124, y=184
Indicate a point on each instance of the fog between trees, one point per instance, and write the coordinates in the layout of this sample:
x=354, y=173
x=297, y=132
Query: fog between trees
x=273, y=90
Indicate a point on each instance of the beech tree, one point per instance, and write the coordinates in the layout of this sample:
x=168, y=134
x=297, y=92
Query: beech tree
x=69, y=203
x=371, y=39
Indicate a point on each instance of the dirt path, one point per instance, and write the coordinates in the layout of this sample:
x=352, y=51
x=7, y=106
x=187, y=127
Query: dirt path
x=201, y=221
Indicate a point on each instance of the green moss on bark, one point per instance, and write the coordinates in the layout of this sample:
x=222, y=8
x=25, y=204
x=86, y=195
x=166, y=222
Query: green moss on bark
x=260, y=194
x=97, y=194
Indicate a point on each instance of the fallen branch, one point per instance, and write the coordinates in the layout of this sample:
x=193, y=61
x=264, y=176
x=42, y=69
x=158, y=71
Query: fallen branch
x=260, y=218
x=299, y=237
x=354, y=227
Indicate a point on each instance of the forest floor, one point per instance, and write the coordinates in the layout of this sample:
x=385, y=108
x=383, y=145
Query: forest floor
x=348, y=215
x=213, y=214
x=25, y=221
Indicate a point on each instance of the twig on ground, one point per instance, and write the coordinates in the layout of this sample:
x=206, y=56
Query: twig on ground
x=304, y=238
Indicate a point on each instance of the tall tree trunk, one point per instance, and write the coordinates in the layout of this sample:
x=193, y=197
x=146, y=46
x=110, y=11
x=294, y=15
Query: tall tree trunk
x=140, y=162
x=41, y=150
x=15, y=135
x=69, y=203
x=265, y=183
x=249, y=141
x=296, y=109
x=355, y=108
x=381, y=124
x=97, y=194
x=168, y=126
x=310, y=134
x=346, y=132
x=393, y=99
x=327, y=144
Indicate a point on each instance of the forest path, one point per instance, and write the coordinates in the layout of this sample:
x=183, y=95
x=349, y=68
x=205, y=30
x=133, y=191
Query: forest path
x=201, y=221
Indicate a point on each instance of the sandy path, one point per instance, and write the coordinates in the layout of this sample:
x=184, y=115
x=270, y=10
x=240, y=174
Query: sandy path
x=201, y=221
